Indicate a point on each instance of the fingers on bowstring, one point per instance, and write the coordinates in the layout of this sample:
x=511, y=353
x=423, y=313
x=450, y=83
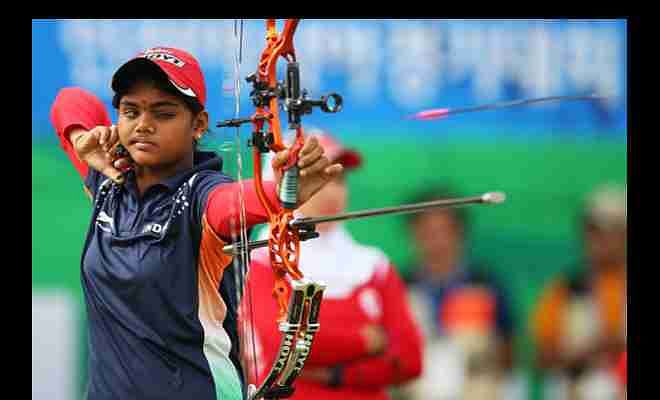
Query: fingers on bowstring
x=92, y=136
x=114, y=136
x=104, y=137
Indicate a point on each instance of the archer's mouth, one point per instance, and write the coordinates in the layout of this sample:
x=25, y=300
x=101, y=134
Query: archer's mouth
x=143, y=144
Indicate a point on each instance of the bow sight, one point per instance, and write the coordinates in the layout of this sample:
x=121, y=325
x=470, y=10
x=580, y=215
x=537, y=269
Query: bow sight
x=294, y=101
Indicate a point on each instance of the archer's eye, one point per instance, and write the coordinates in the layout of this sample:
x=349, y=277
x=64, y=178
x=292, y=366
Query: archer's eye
x=130, y=113
x=167, y=115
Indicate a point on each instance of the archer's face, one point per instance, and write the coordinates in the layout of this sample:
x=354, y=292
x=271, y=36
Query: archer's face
x=156, y=128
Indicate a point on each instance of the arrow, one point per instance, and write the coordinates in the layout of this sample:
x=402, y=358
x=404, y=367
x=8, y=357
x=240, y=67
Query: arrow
x=438, y=113
x=307, y=225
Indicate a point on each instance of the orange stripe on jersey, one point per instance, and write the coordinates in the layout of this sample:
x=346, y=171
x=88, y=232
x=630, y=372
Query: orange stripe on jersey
x=211, y=266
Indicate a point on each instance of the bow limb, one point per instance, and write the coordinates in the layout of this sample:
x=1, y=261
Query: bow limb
x=284, y=241
x=243, y=295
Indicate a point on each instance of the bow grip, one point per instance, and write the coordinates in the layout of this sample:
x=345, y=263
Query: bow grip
x=288, y=193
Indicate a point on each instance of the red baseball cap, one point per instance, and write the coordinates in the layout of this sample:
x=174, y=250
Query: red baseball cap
x=335, y=151
x=181, y=68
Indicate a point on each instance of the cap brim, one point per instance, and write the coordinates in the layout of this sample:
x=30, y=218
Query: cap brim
x=121, y=79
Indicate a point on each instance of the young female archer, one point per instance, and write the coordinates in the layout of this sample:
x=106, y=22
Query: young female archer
x=162, y=310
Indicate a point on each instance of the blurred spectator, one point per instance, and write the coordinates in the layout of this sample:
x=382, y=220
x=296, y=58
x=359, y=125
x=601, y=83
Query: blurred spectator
x=579, y=323
x=464, y=313
x=368, y=339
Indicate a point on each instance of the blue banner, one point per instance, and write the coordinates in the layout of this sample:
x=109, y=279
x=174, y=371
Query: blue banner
x=384, y=69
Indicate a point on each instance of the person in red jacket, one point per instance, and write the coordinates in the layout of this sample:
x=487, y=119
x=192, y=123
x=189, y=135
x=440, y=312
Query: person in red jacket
x=368, y=338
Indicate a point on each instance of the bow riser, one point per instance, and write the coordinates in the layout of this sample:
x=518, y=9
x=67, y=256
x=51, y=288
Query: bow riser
x=298, y=313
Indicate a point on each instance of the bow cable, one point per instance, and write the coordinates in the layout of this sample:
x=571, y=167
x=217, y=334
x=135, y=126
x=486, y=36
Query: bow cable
x=241, y=263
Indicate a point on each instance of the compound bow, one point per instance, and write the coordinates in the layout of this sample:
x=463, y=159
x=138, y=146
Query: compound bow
x=298, y=312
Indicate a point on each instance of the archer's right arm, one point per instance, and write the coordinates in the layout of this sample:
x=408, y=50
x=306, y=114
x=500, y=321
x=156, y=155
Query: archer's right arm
x=86, y=135
x=74, y=112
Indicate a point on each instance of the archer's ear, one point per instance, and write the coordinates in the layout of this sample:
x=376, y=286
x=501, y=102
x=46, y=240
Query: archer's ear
x=201, y=123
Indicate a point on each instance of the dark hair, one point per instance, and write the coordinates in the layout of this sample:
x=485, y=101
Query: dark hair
x=459, y=214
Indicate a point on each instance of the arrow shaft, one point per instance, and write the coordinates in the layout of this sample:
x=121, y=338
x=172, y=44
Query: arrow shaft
x=516, y=103
x=307, y=224
x=405, y=209
x=444, y=112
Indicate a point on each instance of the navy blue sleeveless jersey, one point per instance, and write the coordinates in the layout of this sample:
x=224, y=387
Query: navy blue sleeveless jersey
x=140, y=281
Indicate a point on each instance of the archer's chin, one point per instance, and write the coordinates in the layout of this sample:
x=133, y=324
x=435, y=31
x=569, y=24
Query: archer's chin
x=146, y=159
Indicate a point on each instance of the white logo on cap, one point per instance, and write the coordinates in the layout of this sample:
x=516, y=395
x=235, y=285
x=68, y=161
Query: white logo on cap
x=163, y=55
x=186, y=91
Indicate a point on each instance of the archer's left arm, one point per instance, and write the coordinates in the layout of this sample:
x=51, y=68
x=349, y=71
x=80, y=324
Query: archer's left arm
x=223, y=206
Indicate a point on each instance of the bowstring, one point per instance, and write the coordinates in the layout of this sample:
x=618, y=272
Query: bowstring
x=242, y=267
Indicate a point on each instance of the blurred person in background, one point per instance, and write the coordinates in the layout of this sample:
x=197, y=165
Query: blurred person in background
x=579, y=323
x=622, y=374
x=464, y=313
x=368, y=339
